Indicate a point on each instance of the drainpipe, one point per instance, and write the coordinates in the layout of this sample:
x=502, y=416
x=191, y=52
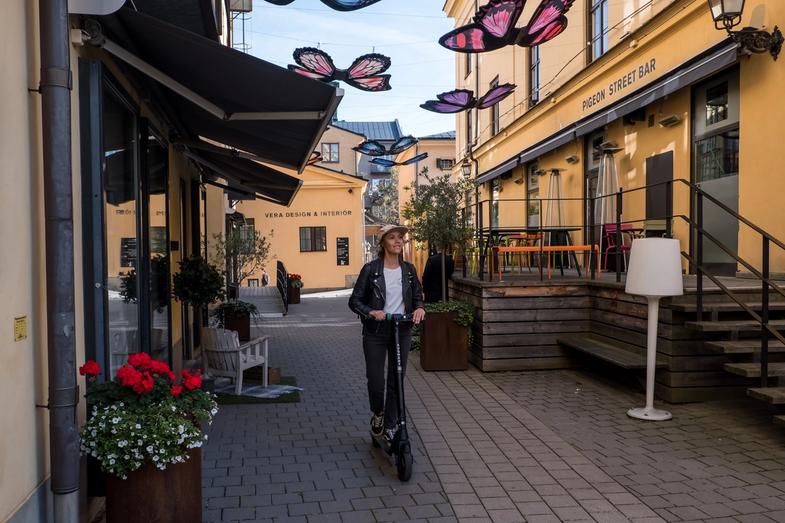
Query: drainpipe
x=55, y=91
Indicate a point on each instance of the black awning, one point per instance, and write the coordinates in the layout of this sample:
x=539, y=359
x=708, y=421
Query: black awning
x=226, y=95
x=249, y=177
x=196, y=16
x=687, y=74
x=497, y=171
x=549, y=144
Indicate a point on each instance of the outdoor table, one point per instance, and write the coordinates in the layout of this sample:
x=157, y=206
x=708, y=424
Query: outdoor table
x=494, y=235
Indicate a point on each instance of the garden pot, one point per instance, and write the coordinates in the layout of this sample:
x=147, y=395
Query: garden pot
x=294, y=295
x=274, y=375
x=150, y=495
x=239, y=322
x=444, y=345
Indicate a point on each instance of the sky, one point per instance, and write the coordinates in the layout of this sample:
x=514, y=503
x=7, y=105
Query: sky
x=405, y=30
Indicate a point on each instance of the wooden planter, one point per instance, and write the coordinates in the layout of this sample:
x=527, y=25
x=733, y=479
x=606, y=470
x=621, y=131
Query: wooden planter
x=444, y=345
x=172, y=495
x=294, y=295
x=239, y=322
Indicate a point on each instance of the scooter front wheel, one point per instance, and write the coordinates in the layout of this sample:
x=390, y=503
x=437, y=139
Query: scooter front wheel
x=404, y=462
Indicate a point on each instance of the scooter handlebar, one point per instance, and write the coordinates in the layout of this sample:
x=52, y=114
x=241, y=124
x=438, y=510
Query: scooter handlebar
x=400, y=318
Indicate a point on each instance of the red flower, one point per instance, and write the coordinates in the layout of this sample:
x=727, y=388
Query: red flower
x=140, y=360
x=90, y=368
x=191, y=381
x=176, y=390
x=162, y=369
x=145, y=385
x=128, y=376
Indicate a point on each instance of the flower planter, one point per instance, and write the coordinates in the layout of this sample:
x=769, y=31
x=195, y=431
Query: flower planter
x=240, y=322
x=444, y=344
x=294, y=295
x=148, y=495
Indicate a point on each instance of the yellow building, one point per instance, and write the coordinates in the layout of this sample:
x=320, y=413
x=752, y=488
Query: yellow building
x=679, y=98
x=320, y=235
x=132, y=146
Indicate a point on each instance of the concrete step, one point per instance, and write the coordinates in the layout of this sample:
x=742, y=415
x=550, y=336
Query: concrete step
x=752, y=370
x=607, y=349
x=732, y=325
x=779, y=420
x=742, y=346
x=772, y=395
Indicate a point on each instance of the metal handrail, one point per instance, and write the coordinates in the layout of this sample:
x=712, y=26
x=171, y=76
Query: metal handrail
x=282, y=281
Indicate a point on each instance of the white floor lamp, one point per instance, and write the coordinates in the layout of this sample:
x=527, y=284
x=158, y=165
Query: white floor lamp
x=654, y=272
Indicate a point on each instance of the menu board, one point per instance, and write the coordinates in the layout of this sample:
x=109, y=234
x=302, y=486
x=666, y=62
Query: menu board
x=128, y=252
x=342, y=250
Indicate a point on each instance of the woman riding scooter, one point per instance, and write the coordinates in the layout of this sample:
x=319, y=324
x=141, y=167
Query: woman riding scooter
x=386, y=285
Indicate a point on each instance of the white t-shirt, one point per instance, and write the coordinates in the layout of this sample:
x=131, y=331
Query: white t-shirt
x=393, y=283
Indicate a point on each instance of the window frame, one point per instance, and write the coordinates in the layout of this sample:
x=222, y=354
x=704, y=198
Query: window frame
x=445, y=164
x=311, y=239
x=534, y=75
x=327, y=155
x=598, y=43
x=495, y=112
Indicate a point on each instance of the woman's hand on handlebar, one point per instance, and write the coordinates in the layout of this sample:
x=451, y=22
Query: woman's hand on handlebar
x=418, y=316
x=377, y=315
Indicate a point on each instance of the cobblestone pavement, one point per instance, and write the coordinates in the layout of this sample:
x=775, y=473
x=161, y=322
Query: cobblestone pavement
x=506, y=447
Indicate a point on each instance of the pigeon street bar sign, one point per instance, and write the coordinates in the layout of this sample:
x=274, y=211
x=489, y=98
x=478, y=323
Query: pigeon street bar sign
x=620, y=84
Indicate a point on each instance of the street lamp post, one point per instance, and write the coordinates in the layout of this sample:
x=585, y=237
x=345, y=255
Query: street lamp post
x=727, y=15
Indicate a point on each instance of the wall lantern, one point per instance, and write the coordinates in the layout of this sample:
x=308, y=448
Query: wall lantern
x=727, y=15
x=466, y=168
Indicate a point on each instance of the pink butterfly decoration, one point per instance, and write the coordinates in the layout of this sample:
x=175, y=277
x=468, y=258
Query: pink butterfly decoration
x=364, y=73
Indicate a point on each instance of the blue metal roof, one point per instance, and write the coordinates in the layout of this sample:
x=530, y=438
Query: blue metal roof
x=449, y=135
x=384, y=131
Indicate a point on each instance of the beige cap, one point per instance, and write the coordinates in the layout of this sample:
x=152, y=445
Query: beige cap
x=391, y=228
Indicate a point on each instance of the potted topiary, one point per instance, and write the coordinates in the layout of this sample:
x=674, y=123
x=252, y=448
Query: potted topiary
x=294, y=285
x=236, y=316
x=145, y=431
x=198, y=284
x=433, y=216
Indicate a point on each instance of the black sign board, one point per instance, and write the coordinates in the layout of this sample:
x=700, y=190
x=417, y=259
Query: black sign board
x=342, y=250
x=128, y=252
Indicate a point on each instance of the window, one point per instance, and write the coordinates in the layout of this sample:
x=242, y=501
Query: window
x=253, y=282
x=445, y=164
x=469, y=129
x=330, y=153
x=717, y=156
x=313, y=239
x=468, y=64
x=247, y=234
x=716, y=104
x=495, y=111
x=534, y=75
x=532, y=196
x=598, y=12
x=496, y=190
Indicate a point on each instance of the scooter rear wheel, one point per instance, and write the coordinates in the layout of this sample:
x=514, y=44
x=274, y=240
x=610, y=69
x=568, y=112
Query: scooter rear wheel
x=404, y=462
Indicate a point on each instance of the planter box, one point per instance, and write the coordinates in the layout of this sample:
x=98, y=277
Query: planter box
x=240, y=323
x=294, y=295
x=149, y=494
x=444, y=345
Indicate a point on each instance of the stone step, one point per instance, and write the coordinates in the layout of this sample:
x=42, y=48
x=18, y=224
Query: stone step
x=772, y=395
x=742, y=346
x=732, y=325
x=779, y=420
x=607, y=349
x=752, y=370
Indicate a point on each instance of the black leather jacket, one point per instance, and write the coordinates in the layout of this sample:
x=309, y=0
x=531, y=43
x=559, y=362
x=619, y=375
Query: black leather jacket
x=369, y=291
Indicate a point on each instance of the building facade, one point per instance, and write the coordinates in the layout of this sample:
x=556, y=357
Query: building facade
x=676, y=98
x=142, y=161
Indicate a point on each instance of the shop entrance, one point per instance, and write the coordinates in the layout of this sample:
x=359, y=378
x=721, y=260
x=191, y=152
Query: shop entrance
x=715, y=164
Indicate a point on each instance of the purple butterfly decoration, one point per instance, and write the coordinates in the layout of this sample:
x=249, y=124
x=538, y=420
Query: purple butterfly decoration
x=384, y=162
x=494, y=26
x=338, y=5
x=362, y=74
x=463, y=99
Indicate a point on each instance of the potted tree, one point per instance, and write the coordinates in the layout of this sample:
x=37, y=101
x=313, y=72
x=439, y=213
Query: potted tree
x=433, y=216
x=145, y=432
x=198, y=283
x=244, y=251
x=294, y=285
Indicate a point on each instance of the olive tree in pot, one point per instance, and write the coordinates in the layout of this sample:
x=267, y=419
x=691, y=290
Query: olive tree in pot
x=433, y=215
x=244, y=251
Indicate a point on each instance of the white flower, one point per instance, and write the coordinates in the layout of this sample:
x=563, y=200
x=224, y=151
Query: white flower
x=137, y=426
x=155, y=458
x=115, y=421
x=150, y=448
x=181, y=429
x=111, y=462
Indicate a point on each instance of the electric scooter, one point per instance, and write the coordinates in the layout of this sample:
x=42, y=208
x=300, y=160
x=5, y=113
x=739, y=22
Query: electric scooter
x=400, y=445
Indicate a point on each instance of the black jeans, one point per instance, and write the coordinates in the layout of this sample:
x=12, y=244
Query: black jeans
x=378, y=346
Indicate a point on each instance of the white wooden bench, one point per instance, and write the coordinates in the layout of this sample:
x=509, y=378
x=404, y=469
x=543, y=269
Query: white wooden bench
x=224, y=355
